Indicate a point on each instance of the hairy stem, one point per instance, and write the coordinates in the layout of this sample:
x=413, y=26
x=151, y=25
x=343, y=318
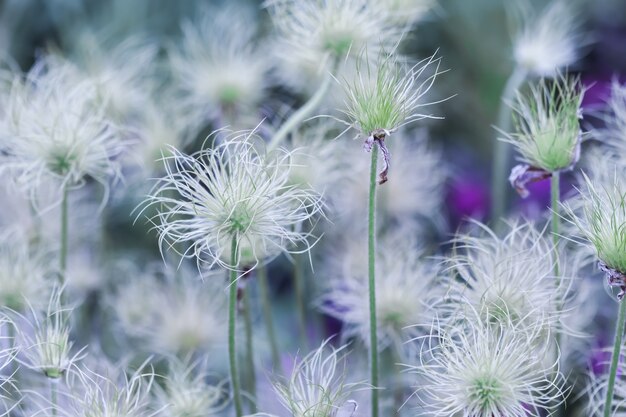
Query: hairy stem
x=268, y=317
x=617, y=348
x=54, y=395
x=232, y=316
x=251, y=385
x=371, y=256
x=64, y=236
x=298, y=277
x=502, y=151
x=555, y=193
x=302, y=113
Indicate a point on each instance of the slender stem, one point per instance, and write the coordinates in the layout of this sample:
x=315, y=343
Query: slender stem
x=267, y=316
x=554, y=205
x=371, y=256
x=302, y=113
x=617, y=348
x=502, y=151
x=251, y=385
x=232, y=315
x=298, y=277
x=54, y=395
x=63, y=251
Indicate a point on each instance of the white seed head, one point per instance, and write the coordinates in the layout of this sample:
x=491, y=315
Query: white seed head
x=614, y=131
x=550, y=41
x=232, y=191
x=405, y=292
x=103, y=395
x=484, y=371
x=506, y=279
x=219, y=66
x=54, y=129
x=547, y=120
x=187, y=392
x=315, y=34
x=177, y=314
x=317, y=386
x=388, y=94
x=47, y=346
x=25, y=273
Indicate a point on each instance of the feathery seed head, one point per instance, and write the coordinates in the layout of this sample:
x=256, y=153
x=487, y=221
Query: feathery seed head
x=407, y=12
x=404, y=293
x=507, y=279
x=315, y=34
x=550, y=41
x=388, y=94
x=187, y=393
x=317, y=386
x=232, y=191
x=49, y=349
x=547, y=122
x=603, y=223
x=484, y=371
x=54, y=129
x=614, y=131
x=219, y=66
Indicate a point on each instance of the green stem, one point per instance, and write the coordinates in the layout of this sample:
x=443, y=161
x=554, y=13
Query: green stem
x=617, y=348
x=302, y=113
x=64, y=239
x=298, y=277
x=502, y=151
x=54, y=395
x=232, y=315
x=267, y=316
x=554, y=205
x=251, y=385
x=371, y=255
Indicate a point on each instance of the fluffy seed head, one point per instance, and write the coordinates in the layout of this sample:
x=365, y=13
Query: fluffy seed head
x=508, y=279
x=54, y=129
x=313, y=34
x=232, y=191
x=317, y=386
x=187, y=393
x=388, y=94
x=218, y=65
x=614, y=131
x=407, y=12
x=484, y=371
x=550, y=41
x=603, y=218
x=547, y=122
x=404, y=293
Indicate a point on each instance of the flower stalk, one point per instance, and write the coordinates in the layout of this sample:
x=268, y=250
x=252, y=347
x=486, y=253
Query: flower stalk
x=267, y=316
x=371, y=256
x=232, y=316
x=502, y=153
x=617, y=345
x=64, y=234
x=251, y=374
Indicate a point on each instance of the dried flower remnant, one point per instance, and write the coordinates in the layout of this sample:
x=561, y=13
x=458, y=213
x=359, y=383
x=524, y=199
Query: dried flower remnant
x=548, y=135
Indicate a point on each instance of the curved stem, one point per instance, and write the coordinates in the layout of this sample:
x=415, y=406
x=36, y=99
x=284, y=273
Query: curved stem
x=502, y=151
x=302, y=113
x=267, y=316
x=251, y=386
x=232, y=316
x=617, y=349
x=64, y=233
x=371, y=256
